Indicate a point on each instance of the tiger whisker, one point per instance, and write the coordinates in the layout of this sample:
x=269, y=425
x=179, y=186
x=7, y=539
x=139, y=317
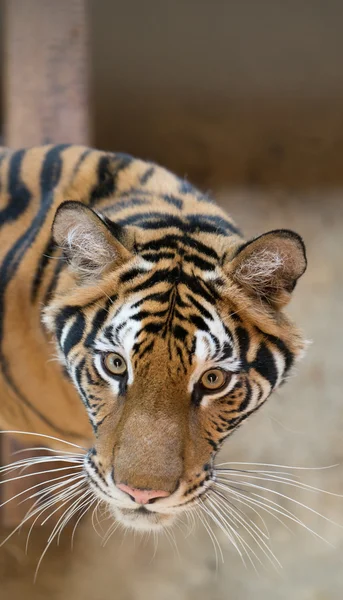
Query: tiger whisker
x=66, y=494
x=87, y=504
x=171, y=537
x=80, y=454
x=230, y=532
x=211, y=534
x=46, y=506
x=29, y=515
x=251, y=529
x=252, y=502
x=39, y=473
x=253, y=485
x=95, y=517
x=280, y=510
x=266, y=503
x=55, y=531
x=110, y=531
x=41, y=494
x=285, y=480
x=50, y=437
x=155, y=538
x=280, y=466
x=29, y=462
x=228, y=526
x=266, y=535
x=35, y=486
x=258, y=471
x=213, y=518
x=227, y=520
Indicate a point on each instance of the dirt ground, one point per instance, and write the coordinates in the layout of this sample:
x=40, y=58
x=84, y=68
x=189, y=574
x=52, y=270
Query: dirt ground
x=301, y=425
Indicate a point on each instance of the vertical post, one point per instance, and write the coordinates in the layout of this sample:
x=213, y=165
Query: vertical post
x=46, y=100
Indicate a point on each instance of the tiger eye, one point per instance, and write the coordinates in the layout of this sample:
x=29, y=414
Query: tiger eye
x=214, y=379
x=114, y=364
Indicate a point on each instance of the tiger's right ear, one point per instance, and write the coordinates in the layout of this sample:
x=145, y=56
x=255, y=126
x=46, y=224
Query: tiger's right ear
x=91, y=246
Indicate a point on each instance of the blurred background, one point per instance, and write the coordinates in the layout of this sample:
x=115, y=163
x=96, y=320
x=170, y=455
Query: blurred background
x=245, y=99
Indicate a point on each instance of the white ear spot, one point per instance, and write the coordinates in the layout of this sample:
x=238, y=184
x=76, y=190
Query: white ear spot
x=87, y=242
x=269, y=266
x=259, y=269
x=90, y=253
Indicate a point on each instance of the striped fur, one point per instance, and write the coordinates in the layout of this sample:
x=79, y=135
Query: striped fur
x=149, y=267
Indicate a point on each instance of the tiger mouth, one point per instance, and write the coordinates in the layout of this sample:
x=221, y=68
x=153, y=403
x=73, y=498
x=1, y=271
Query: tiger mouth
x=143, y=519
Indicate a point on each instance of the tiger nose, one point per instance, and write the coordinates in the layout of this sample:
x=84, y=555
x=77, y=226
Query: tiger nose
x=142, y=496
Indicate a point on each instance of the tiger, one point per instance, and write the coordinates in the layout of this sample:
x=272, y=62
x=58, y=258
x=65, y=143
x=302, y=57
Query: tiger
x=136, y=321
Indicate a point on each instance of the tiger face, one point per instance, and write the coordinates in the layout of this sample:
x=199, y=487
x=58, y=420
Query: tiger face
x=172, y=341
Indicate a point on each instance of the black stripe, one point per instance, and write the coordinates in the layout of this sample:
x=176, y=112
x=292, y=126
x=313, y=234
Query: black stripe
x=61, y=263
x=200, y=247
x=202, y=310
x=173, y=201
x=108, y=168
x=48, y=251
x=283, y=349
x=81, y=160
x=146, y=220
x=153, y=327
x=199, y=262
x=197, y=286
x=123, y=205
x=161, y=275
x=19, y=194
x=75, y=334
x=132, y=274
x=198, y=322
x=144, y=314
x=265, y=365
x=244, y=343
x=172, y=241
x=180, y=333
x=186, y=187
x=63, y=316
x=147, y=349
x=161, y=297
x=226, y=350
x=247, y=399
x=98, y=321
x=218, y=221
x=156, y=257
x=179, y=353
x=190, y=224
x=147, y=175
x=78, y=377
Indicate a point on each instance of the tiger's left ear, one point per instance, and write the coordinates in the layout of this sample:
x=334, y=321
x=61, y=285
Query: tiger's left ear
x=91, y=245
x=269, y=266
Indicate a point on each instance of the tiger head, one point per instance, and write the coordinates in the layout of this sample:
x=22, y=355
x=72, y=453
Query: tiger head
x=172, y=340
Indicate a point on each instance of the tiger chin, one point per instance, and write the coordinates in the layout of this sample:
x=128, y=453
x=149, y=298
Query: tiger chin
x=169, y=326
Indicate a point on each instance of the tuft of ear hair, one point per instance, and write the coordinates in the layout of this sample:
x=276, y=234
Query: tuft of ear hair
x=269, y=266
x=89, y=245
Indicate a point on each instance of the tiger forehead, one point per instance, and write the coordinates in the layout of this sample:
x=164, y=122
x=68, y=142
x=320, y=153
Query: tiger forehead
x=189, y=327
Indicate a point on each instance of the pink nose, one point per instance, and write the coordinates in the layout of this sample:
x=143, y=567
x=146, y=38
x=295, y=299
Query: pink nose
x=142, y=496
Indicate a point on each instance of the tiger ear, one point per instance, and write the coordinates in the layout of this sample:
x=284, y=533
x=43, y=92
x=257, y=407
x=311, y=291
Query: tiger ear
x=269, y=266
x=90, y=246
